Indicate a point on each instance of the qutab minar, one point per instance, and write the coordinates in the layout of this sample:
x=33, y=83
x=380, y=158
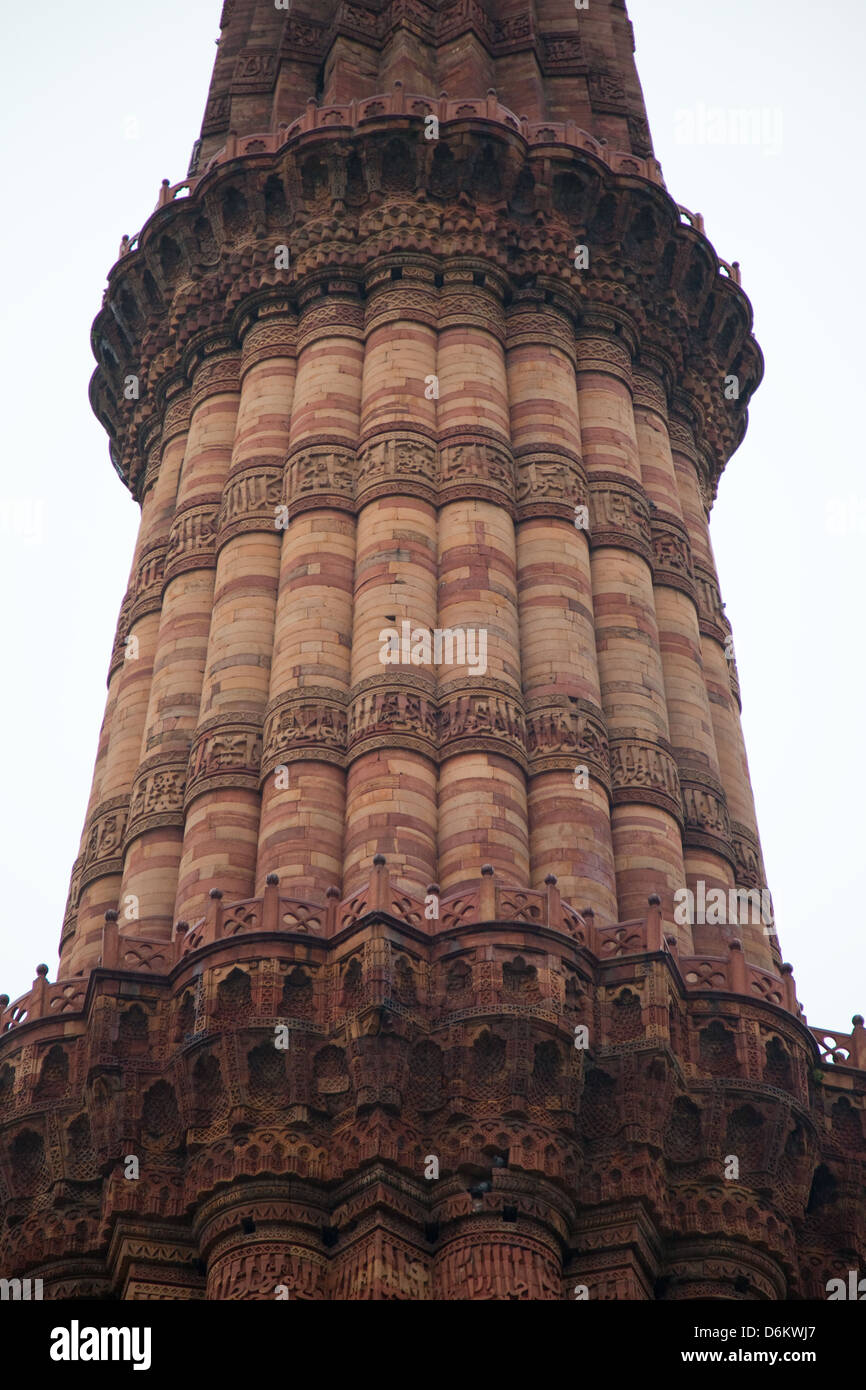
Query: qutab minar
x=375, y=979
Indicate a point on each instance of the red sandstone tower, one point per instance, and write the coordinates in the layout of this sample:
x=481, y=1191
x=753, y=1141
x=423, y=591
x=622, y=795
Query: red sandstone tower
x=377, y=969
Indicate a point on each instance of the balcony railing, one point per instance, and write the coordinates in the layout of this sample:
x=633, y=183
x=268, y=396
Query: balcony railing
x=490, y=902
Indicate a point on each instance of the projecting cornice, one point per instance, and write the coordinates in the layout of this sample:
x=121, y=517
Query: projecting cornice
x=352, y=188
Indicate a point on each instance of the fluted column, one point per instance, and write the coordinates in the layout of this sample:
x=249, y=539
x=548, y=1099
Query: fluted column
x=646, y=814
x=303, y=777
x=392, y=754
x=722, y=688
x=569, y=771
x=155, y=831
x=478, y=1260
x=222, y=799
x=708, y=855
x=95, y=878
x=483, y=816
x=101, y=863
x=270, y=1243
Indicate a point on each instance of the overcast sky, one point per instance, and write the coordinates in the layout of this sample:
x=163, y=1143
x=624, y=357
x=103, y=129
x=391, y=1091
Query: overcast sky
x=102, y=101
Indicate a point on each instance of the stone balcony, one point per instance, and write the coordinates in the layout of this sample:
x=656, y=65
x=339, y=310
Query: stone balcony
x=492, y=903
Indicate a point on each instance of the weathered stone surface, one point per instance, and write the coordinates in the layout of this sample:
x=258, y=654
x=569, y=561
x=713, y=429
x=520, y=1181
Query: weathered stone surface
x=423, y=572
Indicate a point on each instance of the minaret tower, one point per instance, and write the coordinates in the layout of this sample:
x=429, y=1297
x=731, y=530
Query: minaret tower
x=415, y=948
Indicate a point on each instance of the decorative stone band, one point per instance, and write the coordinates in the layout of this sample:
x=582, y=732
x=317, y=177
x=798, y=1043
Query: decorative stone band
x=393, y=302
x=491, y=721
x=463, y=306
x=81, y=1282
x=327, y=286
x=221, y=1213
x=241, y=1269
x=125, y=454
x=644, y=770
x=70, y=912
x=404, y=463
x=711, y=613
x=320, y=473
x=619, y=515
x=103, y=853
x=149, y=1261
x=672, y=554
x=176, y=418
x=473, y=1265
x=395, y=712
x=400, y=712
x=275, y=334
x=216, y=119
x=157, y=794
x=147, y=582
x=562, y=51
x=326, y=317
x=604, y=354
x=713, y=459
x=309, y=724
x=255, y=72
x=527, y=327
x=747, y=856
x=215, y=376
x=649, y=393
x=551, y=482
x=565, y=733
x=564, y=55
x=251, y=498
x=118, y=651
x=537, y=1202
x=702, y=1266
x=192, y=539
x=682, y=440
x=476, y=465
x=151, y=471
x=705, y=810
x=226, y=752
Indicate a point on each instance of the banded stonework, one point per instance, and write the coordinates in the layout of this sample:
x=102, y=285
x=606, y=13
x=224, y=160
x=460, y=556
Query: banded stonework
x=377, y=387
x=303, y=1172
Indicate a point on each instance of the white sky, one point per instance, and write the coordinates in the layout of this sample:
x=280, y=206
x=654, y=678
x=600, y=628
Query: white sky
x=79, y=172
